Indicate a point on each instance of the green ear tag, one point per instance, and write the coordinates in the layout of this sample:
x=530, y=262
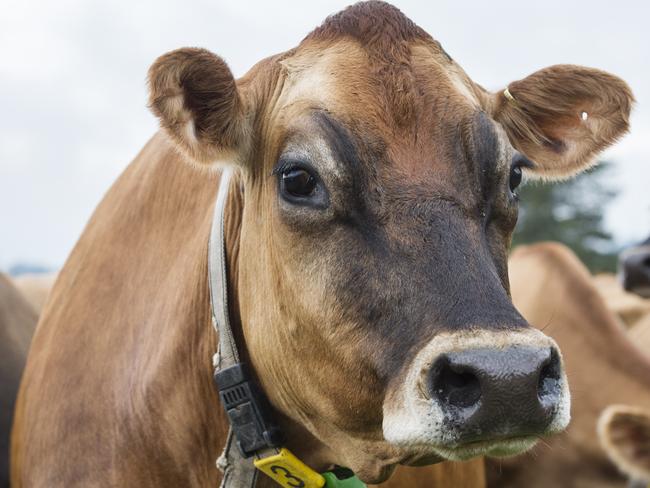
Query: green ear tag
x=332, y=481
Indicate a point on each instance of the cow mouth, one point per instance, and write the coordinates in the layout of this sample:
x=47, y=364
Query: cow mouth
x=496, y=448
x=505, y=447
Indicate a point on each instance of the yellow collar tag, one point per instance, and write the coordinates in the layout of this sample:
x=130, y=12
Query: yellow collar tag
x=289, y=471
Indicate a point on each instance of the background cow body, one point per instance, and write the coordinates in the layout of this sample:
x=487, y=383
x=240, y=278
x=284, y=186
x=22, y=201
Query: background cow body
x=628, y=306
x=554, y=291
x=379, y=338
x=17, y=323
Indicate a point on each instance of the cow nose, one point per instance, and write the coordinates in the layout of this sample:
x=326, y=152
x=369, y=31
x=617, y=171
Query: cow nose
x=488, y=393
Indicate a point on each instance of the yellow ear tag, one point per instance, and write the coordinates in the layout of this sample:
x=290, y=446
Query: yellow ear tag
x=289, y=471
x=508, y=95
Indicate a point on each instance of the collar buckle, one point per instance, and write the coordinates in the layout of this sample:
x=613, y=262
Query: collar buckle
x=248, y=410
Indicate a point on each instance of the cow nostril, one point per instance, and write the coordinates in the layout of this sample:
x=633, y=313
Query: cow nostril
x=455, y=385
x=548, y=387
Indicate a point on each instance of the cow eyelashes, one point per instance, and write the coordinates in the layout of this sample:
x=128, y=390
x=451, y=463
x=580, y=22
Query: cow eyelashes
x=519, y=161
x=300, y=184
x=515, y=177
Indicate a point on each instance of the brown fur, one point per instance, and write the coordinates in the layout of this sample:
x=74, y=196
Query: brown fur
x=17, y=323
x=629, y=307
x=468, y=474
x=554, y=291
x=387, y=38
x=351, y=291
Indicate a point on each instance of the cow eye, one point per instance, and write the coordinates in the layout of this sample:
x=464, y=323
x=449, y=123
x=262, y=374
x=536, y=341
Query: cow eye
x=297, y=182
x=519, y=161
x=300, y=184
x=515, y=177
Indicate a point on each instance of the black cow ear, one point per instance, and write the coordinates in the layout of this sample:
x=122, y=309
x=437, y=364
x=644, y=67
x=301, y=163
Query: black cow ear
x=561, y=117
x=194, y=94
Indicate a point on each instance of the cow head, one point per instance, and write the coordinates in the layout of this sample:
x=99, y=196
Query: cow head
x=379, y=188
x=634, y=269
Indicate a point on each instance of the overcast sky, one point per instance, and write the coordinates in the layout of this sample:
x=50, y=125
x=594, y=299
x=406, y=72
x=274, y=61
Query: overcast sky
x=72, y=87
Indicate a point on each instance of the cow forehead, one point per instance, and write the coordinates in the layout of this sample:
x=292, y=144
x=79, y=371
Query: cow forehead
x=344, y=78
x=417, y=112
x=318, y=75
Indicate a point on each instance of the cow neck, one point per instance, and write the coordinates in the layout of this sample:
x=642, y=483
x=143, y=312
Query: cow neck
x=257, y=435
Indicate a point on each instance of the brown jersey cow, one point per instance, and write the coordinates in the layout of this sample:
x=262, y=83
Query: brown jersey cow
x=17, y=323
x=467, y=474
x=628, y=306
x=366, y=232
x=555, y=292
x=640, y=334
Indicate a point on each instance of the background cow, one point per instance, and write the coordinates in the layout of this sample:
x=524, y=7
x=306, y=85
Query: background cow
x=627, y=306
x=634, y=269
x=17, y=323
x=555, y=292
x=35, y=288
x=367, y=230
x=640, y=334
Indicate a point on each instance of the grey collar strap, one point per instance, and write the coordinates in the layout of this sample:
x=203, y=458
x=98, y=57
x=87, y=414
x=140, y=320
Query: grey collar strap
x=226, y=355
x=238, y=472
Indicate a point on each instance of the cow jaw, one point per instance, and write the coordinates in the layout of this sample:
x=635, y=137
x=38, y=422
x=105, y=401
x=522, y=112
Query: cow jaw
x=414, y=432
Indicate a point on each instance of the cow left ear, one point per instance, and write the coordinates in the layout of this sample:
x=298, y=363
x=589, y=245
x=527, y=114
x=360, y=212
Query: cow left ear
x=561, y=117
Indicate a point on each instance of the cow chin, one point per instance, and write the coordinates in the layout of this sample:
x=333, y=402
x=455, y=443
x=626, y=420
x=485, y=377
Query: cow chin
x=498, y=448
x=376, y=468
x=374, y=473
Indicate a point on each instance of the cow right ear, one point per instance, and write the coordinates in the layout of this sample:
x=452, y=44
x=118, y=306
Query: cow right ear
x=194, y=94
x=562, y=116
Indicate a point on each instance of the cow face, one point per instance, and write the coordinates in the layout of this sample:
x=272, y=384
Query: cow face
x=634, y=269
x=379, y=200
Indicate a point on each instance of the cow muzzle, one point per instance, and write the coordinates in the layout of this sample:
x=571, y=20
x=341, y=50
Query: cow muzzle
x=479, y=393
x=634, y=270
